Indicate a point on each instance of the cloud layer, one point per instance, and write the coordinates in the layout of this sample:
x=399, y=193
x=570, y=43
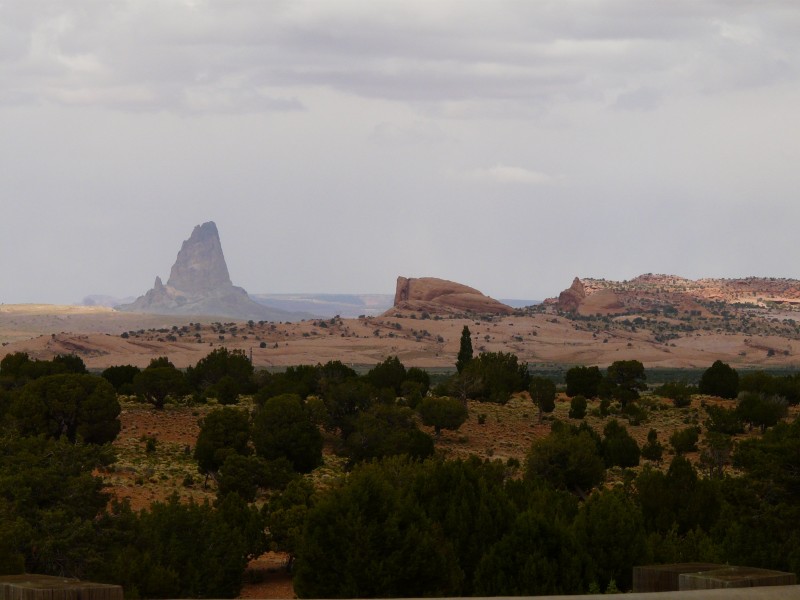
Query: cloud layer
x=340, y=144
x=252, y=56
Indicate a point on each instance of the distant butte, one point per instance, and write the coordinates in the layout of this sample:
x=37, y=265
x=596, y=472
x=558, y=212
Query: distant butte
x=439, y=296
x=199, y=284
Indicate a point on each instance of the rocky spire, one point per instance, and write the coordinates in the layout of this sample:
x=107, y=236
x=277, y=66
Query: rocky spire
x=199, y=284
x=200, y=266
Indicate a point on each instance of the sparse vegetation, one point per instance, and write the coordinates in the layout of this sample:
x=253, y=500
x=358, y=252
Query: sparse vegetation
x=685, y=440
x=575, y=482
x=577, y=407
x=442, y=413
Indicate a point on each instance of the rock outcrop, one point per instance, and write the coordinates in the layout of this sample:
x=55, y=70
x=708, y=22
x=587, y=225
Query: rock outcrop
x=439, y=296
x=570, y=299
x=200, y=267
x=199, y=284
x=675, y=294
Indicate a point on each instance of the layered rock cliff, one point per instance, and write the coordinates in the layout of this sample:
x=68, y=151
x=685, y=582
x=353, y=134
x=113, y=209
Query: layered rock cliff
x=645, y=292
x=439, y=296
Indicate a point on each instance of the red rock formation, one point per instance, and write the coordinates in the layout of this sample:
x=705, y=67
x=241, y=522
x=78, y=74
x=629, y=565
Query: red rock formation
x=439, y=296
x=590, y=296
x=570, y=299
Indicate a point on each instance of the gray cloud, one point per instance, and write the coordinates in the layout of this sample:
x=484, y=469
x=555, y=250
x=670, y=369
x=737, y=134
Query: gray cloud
x=505, y=174
x=339, y=144
x=210, y=56
x=638, y=99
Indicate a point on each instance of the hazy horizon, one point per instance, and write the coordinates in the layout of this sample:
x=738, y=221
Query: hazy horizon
x=515, y=302
x=510, y=146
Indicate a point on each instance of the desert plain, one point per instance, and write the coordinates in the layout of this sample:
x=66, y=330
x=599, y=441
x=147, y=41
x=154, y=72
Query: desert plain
x=690, y=336
x=103, y=337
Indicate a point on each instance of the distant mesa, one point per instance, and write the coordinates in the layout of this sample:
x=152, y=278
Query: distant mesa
x=439, y=296
x=199, y=284
x=675, y=294
x=105, y=300
x=348, y=306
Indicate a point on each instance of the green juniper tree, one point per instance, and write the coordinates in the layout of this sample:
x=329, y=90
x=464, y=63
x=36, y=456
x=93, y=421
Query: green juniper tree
x=577, y=407
x=77, y=407
x=465, y=350
x=619, y=448
x=583, y=381
x=223, y=432
x=442, y=412
x=371, y=538
x=720, y=379
x=282, y=427
x=567, y=459
x=159, y=381
x=626, y=378
x=543, y=394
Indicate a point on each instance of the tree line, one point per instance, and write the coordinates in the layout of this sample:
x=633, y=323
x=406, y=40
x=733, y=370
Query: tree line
x=402, y=521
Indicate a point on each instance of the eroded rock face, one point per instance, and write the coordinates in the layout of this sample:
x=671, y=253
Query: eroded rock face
x=647, y=292
x=440, y=296
x=199, y=284
x=200, y=266
x=570, y=299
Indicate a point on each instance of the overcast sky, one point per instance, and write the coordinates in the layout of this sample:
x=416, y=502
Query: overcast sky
x=338, y=144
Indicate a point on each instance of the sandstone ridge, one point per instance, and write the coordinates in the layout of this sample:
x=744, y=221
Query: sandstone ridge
x=439, y=296
x=589, y=296
x=199, y=284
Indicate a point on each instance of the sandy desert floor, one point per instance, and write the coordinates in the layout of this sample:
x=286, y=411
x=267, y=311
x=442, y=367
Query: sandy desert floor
x=103, y=337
